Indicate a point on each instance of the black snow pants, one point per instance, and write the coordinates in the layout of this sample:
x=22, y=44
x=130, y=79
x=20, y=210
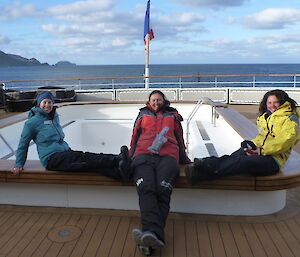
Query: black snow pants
x=155, y=177
x=239, y=163
x=105, y=164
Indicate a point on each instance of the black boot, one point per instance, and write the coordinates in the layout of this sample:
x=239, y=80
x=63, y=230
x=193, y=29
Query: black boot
x=193, y=171
x=124, y=163
x=200, y=170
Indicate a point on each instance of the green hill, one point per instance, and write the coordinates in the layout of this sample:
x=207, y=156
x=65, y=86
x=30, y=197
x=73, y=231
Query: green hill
x=7, y=60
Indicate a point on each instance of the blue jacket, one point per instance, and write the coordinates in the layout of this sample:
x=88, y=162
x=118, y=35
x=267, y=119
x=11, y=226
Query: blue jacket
x=45, y=132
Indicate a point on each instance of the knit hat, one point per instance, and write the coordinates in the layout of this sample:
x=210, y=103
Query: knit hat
x=42, y=96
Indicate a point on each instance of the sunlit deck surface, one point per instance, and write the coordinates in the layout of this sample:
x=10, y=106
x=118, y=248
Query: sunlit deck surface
x=40, y=231
x=36, y=231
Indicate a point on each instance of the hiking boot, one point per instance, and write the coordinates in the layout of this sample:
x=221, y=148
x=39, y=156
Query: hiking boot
x=195, y=172
x=137, y=235
x=149, y=239
x=124, y=163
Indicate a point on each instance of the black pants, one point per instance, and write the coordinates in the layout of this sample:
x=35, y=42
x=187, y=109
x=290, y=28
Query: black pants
x=239, y=163
x=155, y=178
x=105, y=164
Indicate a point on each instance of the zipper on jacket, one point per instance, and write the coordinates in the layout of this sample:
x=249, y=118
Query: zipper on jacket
x=60, y=136
x=267, y=134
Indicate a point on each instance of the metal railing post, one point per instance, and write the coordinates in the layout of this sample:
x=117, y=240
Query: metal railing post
x=188, y=123
x=214, y=116
x=253, y=81
x=113, y=84
x=3, y=99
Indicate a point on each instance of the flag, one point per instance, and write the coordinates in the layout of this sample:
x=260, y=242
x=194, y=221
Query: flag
x=147, y=28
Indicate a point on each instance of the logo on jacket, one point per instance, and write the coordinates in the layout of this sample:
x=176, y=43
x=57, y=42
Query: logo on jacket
x=139, y=181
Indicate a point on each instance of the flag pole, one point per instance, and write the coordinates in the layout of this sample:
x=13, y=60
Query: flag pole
x=147, y=48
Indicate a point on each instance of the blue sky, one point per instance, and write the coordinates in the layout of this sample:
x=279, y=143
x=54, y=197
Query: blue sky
x=186, y=31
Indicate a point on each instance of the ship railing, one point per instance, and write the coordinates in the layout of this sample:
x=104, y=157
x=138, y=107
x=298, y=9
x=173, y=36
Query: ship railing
x=181, y=81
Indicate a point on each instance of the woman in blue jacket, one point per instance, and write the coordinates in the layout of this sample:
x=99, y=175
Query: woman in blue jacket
x=44, y=129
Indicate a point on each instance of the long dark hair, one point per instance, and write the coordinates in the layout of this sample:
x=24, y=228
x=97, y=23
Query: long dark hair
x=282, y=97
x=166, y=101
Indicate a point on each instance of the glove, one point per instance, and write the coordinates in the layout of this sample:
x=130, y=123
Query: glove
x=159, y=140
x=248, y=144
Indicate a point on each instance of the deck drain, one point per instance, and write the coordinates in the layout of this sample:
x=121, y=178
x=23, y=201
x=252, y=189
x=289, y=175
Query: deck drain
x=64, y=234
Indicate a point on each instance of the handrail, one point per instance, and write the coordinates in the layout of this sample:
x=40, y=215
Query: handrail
x=179, y=81
x=199, y=102
x=204, y=100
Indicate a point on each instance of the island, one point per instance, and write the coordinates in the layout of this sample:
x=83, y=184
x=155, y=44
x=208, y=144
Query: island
x=64, y=64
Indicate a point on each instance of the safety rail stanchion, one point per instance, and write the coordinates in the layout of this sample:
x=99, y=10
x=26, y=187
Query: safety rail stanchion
x=214, y=115
x=2, y=95
x=197, y=106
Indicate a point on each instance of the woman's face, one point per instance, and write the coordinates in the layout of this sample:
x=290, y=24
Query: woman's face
x=272, y=103
x=46, y=105
x=156, y=101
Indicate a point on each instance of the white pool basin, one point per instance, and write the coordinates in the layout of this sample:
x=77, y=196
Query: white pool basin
x=104, y=128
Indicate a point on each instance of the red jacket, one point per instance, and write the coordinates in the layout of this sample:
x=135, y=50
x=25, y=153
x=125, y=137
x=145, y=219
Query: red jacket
x=150, y=123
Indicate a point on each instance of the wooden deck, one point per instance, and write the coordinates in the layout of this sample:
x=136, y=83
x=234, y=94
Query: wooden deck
x=36, y=231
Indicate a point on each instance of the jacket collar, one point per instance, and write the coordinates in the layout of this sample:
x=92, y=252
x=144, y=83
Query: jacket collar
x=283, y=110
x=38, y=111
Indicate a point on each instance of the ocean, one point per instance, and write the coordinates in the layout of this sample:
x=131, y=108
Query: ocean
x=10, y=75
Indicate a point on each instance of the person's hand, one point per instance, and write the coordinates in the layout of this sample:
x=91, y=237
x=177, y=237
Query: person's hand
x=251, y=152
x=17, y=170
x=248, y=144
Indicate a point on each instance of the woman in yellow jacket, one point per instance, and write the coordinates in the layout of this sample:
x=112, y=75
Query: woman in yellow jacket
x=266, y=154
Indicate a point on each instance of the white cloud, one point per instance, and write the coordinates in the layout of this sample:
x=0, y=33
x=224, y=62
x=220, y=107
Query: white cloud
x=81, y=7
x=180, y=19
x=212, y=3
x=115, y=28
x=86, y=30
x=17, y=11
x=4, y=40
x=273, y=18
x=230, y=20
x=119, y=42
x=178, y=25
x=88, y=23
x=78, y=42
x=91, y=19
x=279, y=47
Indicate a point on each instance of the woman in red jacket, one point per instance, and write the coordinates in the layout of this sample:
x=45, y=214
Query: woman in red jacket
x=157, y=147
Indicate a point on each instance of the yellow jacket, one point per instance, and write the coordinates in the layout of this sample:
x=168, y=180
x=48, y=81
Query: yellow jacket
x=278, y=133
